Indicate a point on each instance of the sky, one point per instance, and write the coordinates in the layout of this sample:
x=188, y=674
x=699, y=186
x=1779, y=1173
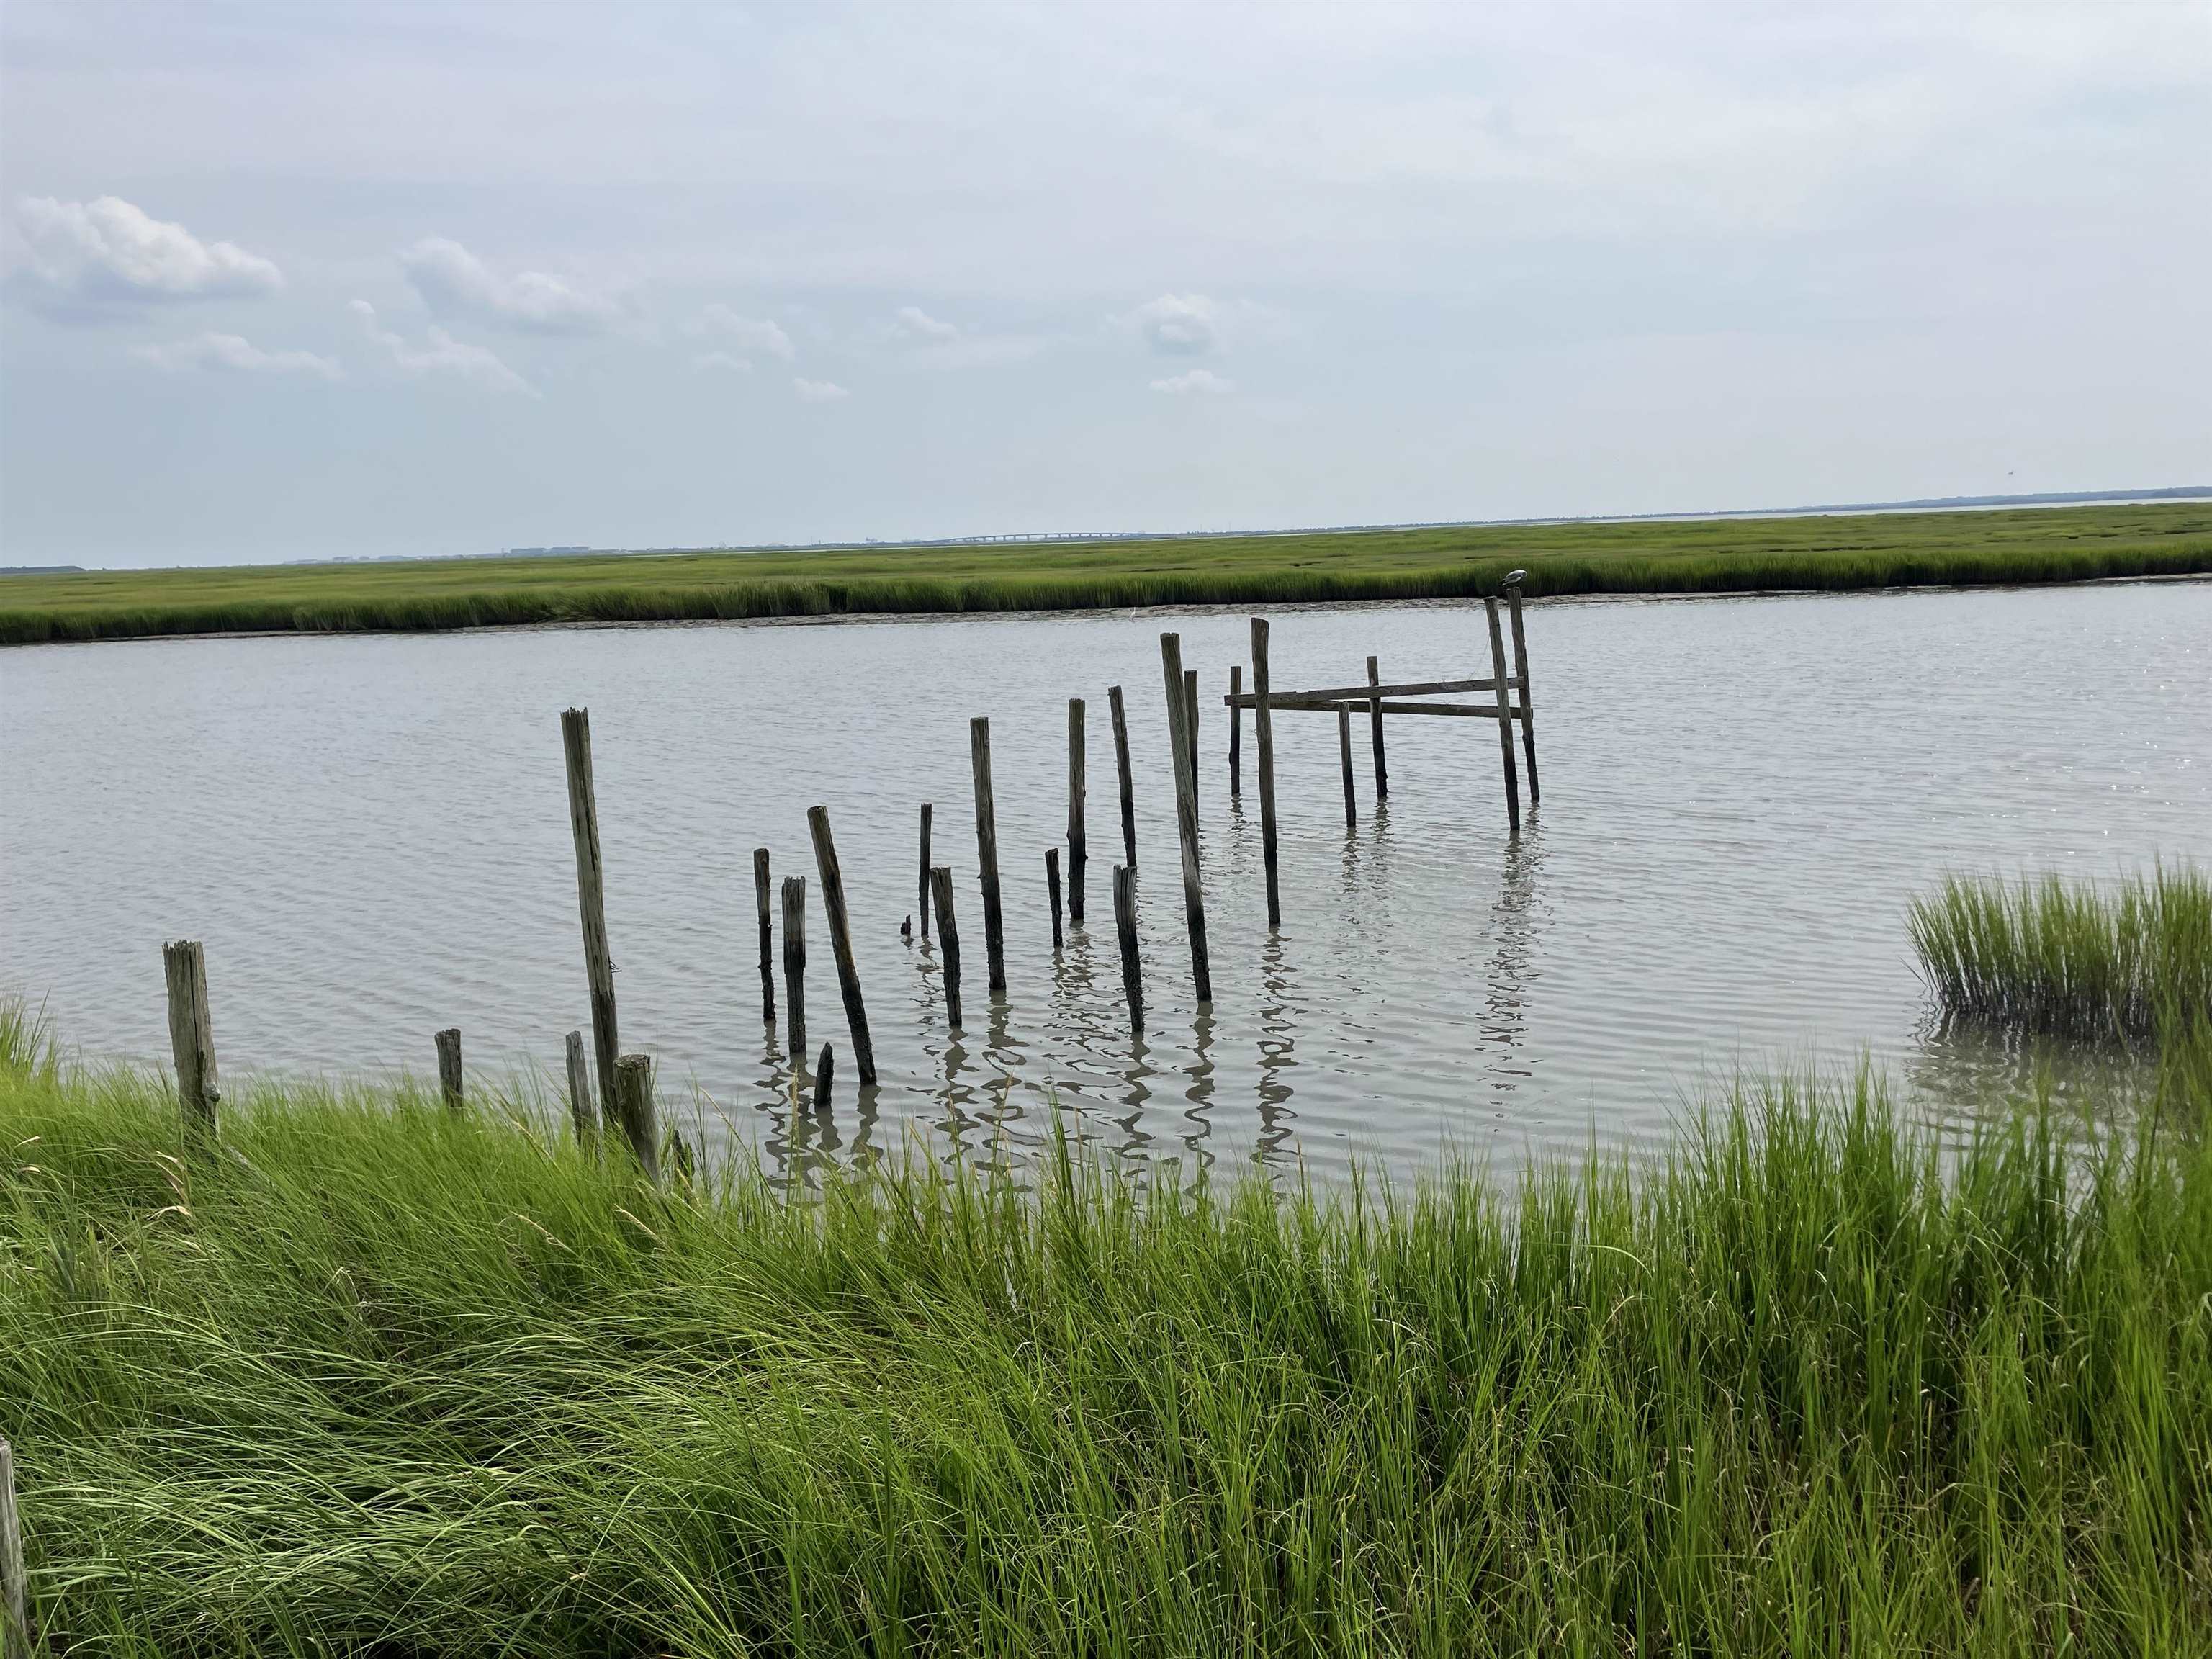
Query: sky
x=311, y=280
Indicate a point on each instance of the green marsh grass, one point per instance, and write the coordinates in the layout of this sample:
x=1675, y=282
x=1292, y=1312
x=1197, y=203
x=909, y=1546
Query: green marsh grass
x=2072, y=957
x=377, y=1379
x=1847, y=551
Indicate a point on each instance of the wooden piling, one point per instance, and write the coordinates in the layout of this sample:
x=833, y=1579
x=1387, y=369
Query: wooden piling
x=1078, y=843
x=449, y=1066
x=1236, y=729
x=824, y=1071
x=1263, y=735
x=14, y=1590
x=840, y=942
x=1190, y=724
x=767, y=935
x=986, y=853
x=1121, y=766
x=927, y=809
x=1052, y=887
x=581, y=1110
x=635, y=1114
x=1504, y=718
x=948, y=940
x=1528, y=698
x=1375, y=730
x=1180, y=697
x=794, y=964
x=192, y=1036
x=1125, y=927
x=1344, y=747
x=590, y=900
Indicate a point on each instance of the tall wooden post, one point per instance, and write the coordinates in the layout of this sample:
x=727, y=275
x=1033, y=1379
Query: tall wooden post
x=1263, y=735
x=1121, y=766
x=1078, y=843
x=1190, y=724
x=1344, y=748
x=1527, y=697
x=635, y=1112
x=987, y=852
x=591, y=901
x=1235, y=730
x=840, y=942
x=1375, y=730
x=794, y=965
x=449, y=1066
x=926, y=809
x=1186, y=786
x=192, y=1036
x=1125, y=929
x=767, y=935
x=14, y=1590
x=581, y=1107
x=1504, y=718
x=1052, y=890
x=948, y=940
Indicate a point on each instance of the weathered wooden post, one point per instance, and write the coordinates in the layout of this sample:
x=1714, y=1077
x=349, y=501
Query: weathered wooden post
x=1527, y=697
x=1190, y=724
x=948, y=940
x=1235, y=730
x=840, y=942
x=927, y=809
x=1186, y=785
x=1125, y=927
x=1052, y=887
x=824, y=1070
x=192, y=1036
x=579, y=1093
x=449, y=1066
x=794, y=963
x=591, y=901
x=14, y=1590
x=635, y=1112
x=1263, y=735
x=1504, y=718
x=1344, y=748
x=986, y=853
x=1121, y=765
x=1078, y=847
x=1375, y=729
x=767, y=935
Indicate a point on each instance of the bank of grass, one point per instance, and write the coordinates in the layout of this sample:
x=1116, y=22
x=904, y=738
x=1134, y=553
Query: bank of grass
x=2104, y=962
x=1864, y=550
x=376, y=1379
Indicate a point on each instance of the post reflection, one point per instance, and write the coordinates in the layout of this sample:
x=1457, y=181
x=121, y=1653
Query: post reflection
x=1516, y=919
x=1277, y=1054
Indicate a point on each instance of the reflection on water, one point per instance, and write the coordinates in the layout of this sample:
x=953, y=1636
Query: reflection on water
x=371, y=836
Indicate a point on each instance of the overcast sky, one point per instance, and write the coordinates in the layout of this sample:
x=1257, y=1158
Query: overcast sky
x=305, y=280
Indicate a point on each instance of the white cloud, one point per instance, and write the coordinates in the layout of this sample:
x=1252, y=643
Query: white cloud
x=919, y=324
x=748, y=335
x=236, y=354
x=86, y=256
x=819, y=391
x=1177, y=325
x=723, y=360
x=1197, y=380
x=453, y=281
x=444, y=356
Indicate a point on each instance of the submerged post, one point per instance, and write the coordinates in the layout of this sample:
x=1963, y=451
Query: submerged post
x=1186, y=785
x=1125, y=927
x=192, y=1036
x=590, y=900
x=634, y=1112
x=948, y=940
x=794, y=963
x=1052, y=887
x=1375, y=729
x=987, y=852
x=1528, y=698
x=579, y=1093
x=1190, y=724
x=1078, y=848
x=1504, y=718
x=767, y=935
x=1236, y=729
x=840, y=942
x=449, y=1066
x=1344, y=747
x=824, y=1070
x=1263, y=735
x=926, y=809
x=1121, y=765
x=14, y=1590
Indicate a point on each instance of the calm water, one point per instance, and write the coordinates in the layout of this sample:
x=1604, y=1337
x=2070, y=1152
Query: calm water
x=371, y=837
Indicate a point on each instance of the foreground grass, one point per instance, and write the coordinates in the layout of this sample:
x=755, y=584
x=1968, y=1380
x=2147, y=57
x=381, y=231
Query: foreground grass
x=377, y=1379
x=2072, y=957
x=1852, y=551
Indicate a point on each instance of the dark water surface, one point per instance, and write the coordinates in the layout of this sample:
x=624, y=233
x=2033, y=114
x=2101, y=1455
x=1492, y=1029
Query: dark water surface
x=371, y=836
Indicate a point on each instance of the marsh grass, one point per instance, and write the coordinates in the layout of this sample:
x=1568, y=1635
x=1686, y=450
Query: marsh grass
x=2104, y=963
x=379, y=1379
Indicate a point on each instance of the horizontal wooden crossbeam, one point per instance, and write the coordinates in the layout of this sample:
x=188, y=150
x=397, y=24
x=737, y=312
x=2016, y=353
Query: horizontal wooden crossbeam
x=1360, y=705
x=1359, y=695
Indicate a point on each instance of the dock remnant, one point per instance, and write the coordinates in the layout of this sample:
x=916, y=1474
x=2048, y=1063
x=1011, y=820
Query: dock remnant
x=840, y=942
x=1235, y=730
x=591, y=901
x=449, y=1066
x=767, y=935
x=1186, y=787
x=986, y=853
x=582, y=1111
x=794, y=965
x=1125, y=929
x=1520, y=678
x=1079, y=841
x=635, y=1112
x=1504, y=716
x=926, y=809
x=1263, y=735
x=1375, y=729
x=948, y=940
x=1121, y=766
x=1052, y=890
x=192, y=1036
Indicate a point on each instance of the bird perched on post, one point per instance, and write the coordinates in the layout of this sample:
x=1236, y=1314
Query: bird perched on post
x=1513, y=579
